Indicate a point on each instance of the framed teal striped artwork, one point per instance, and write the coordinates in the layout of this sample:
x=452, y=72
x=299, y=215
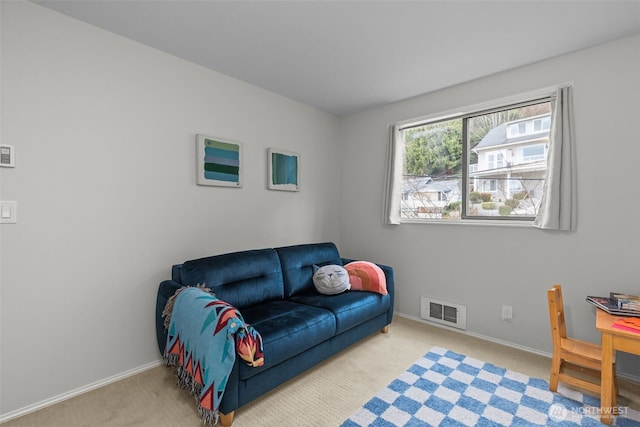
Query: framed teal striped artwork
x=284, y=170
x=219, y=162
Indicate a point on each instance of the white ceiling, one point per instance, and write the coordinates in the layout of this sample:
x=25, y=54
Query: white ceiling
x=347, y=56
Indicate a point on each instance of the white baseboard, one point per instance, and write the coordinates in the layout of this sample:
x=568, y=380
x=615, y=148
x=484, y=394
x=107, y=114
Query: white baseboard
x=73, y=393
x=498, y=341
x=473, y=334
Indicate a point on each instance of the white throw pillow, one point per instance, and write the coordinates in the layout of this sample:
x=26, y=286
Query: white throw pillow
x=331, y=279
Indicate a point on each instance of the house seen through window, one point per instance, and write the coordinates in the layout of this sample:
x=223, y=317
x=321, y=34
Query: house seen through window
x=483, y=165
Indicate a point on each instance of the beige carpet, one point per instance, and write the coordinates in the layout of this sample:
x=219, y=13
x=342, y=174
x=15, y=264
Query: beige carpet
x=323, y=396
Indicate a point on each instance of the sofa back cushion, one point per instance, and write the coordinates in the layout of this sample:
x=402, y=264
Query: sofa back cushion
x=242, y=278
x=297, y=265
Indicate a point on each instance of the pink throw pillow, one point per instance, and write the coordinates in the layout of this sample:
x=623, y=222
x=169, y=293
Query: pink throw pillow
x=366, y=276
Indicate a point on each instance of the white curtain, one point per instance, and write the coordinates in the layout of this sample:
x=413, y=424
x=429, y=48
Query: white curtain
x=559, y=200
x=393, y=178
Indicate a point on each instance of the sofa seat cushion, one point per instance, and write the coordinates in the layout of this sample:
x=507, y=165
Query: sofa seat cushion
x=349, y=308
x=287, y=329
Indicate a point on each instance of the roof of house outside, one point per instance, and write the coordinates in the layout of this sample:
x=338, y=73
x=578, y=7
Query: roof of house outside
x=426, y=184
x=498, y=135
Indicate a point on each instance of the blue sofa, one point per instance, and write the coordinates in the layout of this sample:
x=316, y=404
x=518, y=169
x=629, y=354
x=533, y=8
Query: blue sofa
x=274, y=291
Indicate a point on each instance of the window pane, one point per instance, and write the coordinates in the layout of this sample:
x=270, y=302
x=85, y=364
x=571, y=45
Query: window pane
x=507, y=161
x=432, y=171
x=485, y=165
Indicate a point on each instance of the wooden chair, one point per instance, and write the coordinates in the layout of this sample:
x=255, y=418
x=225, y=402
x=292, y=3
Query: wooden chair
x=574, y=362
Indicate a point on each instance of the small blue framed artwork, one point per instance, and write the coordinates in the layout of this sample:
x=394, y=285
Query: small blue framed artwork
x=284, y=170
x=219, y=162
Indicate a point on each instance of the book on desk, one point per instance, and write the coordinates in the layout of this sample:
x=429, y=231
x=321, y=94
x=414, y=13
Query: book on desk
x=617, y=303
x=626, y=302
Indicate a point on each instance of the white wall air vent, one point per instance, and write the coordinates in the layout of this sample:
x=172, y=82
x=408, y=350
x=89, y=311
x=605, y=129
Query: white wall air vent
x=442, y=312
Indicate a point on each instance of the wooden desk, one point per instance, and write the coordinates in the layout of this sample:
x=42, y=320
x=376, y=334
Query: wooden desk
x=613, y=339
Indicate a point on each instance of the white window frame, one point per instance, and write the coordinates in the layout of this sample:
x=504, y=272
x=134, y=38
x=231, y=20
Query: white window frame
x=543, y=94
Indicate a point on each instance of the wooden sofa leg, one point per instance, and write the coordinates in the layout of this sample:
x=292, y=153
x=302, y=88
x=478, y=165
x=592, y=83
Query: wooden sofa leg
x=385, y=329
x=226, y=419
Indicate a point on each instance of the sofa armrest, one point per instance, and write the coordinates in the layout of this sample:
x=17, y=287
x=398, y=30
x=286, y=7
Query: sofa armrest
x=165, y=291
x=388, y=273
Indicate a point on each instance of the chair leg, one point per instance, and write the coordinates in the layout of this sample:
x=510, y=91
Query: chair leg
x=555, y=373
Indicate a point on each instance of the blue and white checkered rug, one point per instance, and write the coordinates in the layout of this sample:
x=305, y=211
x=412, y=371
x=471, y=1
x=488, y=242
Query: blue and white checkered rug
x=444, y=388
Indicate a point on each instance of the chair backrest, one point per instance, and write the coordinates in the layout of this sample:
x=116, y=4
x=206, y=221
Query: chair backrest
x=556, y=315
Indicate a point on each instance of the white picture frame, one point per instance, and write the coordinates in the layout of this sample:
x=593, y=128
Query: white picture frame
x=283, y=170
x=219, y=161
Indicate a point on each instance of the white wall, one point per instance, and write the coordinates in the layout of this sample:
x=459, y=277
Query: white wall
x=104, y=130
x=484, y=267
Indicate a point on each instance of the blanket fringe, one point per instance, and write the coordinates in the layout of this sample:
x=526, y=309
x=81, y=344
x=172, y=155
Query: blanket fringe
x=207, y=416
x=185, y=381
x=171, y=359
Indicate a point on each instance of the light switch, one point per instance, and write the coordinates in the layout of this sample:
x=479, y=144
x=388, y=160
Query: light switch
x=8, y=212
